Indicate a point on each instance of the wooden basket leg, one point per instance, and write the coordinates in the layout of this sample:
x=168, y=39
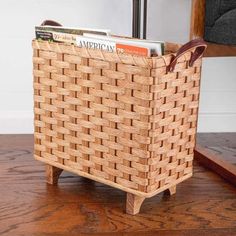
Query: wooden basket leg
x=171, y=190
x=133, y=203
x=52, y=174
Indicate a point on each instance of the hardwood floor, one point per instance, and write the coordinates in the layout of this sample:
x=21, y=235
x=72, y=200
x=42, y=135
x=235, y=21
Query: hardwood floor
x=203, y=205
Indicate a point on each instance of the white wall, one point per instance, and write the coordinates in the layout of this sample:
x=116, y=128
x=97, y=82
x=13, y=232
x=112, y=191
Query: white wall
x=18, y=19
x=218, y=95
x=168, y=20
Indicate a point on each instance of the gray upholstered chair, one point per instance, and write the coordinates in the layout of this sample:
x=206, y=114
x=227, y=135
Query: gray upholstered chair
x=220, y=21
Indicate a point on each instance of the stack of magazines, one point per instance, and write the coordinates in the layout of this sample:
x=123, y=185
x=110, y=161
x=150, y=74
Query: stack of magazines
x=99, y=39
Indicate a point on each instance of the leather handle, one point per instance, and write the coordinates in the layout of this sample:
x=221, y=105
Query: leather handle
x=50, y=23
x=198, y=44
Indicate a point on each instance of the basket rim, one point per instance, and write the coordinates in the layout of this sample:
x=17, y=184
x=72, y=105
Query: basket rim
x=143, y=61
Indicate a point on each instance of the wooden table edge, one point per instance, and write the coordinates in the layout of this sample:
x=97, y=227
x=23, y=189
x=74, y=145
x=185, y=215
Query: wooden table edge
x=216, y=163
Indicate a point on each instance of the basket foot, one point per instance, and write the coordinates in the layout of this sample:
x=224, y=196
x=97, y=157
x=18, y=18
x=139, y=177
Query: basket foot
x=52, y=174
x=171, y=190
x=133, y=203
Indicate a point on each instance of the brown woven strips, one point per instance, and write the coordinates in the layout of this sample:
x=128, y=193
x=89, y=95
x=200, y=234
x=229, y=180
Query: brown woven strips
x=118, y=119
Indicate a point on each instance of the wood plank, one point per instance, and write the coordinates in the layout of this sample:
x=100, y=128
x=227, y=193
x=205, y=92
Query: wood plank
x=219, y=50
x=197, y=19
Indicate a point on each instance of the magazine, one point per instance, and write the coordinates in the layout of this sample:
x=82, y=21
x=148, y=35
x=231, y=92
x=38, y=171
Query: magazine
x=111, y=46
x=154, y=47
x=66, y=35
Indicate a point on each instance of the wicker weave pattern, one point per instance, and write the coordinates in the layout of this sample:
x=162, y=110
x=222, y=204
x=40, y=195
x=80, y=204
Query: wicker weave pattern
x=120, y=119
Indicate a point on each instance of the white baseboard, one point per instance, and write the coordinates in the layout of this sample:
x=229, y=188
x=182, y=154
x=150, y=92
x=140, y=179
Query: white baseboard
x=216, y=122
x=16, y=122
x=21, y=122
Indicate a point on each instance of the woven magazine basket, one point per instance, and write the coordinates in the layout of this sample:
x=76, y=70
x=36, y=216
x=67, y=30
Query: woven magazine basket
x=122, y=120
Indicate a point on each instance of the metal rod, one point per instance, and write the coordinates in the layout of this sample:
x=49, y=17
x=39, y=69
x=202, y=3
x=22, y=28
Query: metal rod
x=136, y=18
x=145, y=19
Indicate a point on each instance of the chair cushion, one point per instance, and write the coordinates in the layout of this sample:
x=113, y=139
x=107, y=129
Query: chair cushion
x=212, y=12
x=226, y=5
x=224, y=29
x=220, y=21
